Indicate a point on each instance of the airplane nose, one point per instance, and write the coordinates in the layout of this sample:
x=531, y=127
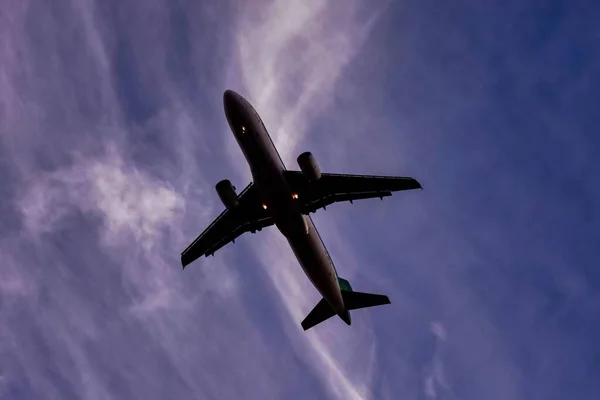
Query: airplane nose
x=228, y=98
x=231, y=104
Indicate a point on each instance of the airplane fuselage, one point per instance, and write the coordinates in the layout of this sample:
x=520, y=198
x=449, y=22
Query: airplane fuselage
x=267, y=170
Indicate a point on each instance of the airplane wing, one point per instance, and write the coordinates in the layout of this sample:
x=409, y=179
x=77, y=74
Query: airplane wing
x=248, y=216
x=333, y=188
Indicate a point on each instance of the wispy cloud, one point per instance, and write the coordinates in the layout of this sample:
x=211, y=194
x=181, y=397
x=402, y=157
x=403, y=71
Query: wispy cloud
x=293, y=59
x=434, y=377
x=126, y=199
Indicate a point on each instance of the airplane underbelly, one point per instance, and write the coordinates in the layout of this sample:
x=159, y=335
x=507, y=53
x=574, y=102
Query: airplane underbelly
x=267, y=171
x=317, y=266
x=280, y=203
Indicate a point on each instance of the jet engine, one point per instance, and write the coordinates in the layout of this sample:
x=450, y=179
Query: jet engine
x=226, y=192
x=309, y=167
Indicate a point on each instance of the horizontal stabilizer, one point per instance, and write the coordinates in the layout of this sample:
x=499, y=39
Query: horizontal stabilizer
x=354, y=300
x=320, y=313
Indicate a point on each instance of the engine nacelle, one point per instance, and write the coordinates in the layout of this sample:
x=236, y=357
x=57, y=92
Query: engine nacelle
x=226, y=192
x=309, y=167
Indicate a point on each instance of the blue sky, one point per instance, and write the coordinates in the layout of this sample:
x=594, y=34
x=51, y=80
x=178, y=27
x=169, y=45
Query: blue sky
x=112, y=137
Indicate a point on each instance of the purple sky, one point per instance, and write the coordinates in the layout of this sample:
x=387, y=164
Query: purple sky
x=112, y=137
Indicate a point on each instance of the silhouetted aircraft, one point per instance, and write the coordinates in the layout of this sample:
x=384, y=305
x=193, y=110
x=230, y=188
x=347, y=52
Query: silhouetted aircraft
x=285, y=198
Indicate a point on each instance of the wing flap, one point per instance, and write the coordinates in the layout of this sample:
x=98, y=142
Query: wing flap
x=333, y=188
x=339, y=197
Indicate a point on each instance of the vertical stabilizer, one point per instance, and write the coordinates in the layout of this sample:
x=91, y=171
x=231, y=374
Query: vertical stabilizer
x=344, y=284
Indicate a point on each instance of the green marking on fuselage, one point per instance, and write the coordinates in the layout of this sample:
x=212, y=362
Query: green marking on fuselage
x=344, y=284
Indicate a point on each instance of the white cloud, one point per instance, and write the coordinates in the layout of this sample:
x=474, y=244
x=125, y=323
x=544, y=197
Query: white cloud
x=435, y=377
x=15, y=282
x=430, y=387
x=438, y=330
x=131, y=200
x=128, y=200
x=292, y=60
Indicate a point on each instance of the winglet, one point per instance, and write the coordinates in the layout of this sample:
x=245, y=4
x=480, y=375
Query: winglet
x=419, y=186
x=186, y=259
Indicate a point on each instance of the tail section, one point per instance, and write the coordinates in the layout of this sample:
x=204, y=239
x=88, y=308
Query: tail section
x=352, y=301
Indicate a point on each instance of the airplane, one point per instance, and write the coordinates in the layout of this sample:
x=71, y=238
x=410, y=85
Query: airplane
x=285, y=198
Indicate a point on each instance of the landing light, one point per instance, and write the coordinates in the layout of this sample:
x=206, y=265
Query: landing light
x=295, y=195
x=243, y=129
x=264, y=206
